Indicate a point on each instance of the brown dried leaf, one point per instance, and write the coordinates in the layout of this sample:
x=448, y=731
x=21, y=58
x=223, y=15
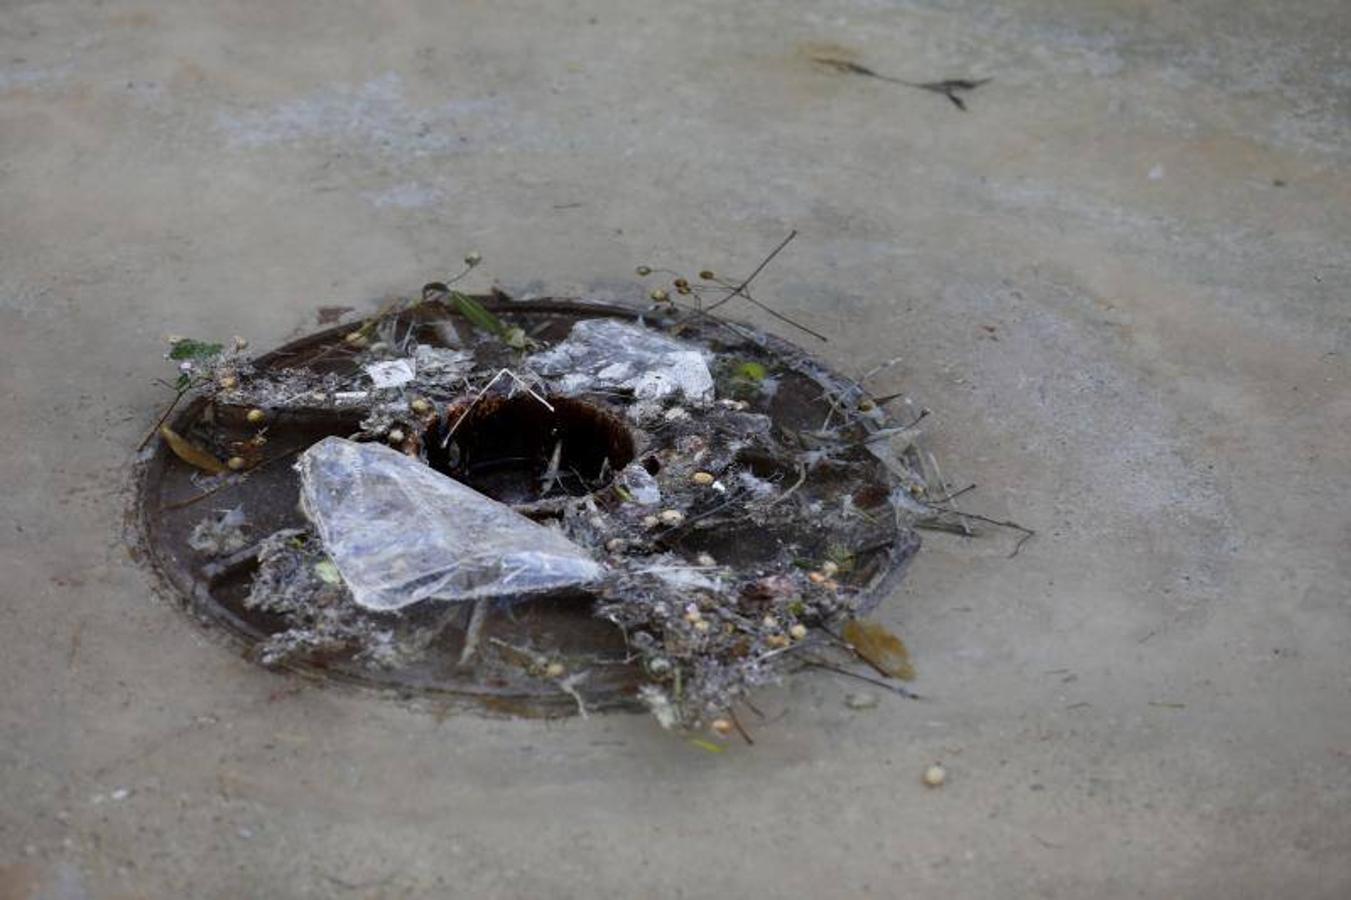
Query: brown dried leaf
x=190, y=453
x=882, y=650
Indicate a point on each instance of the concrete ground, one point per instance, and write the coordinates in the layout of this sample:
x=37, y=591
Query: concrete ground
x=1119, y=280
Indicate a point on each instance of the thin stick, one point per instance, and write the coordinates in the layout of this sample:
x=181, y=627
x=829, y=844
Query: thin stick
x=474, y=630
x=154, y=429
x=801, y=477
x=933, y=461
x=731, y=714
x=877, y=682
x=880, y=367
x=232, y=479
x=782, y=318
x=758, y=269
x=952, y=496
x=445, y=442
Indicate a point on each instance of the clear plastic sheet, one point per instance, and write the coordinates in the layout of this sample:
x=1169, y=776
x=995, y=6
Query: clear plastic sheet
x=642, y=487
x=607, y=354
x=400, y=532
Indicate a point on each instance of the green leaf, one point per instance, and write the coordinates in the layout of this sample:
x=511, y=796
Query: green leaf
x=327, y=572
x=478, y=316
x=751, y=371
x=707, y=745
x=190, y=349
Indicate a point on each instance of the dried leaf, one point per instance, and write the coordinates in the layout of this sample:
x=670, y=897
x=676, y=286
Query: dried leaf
x=190, y=453
x=882, y=650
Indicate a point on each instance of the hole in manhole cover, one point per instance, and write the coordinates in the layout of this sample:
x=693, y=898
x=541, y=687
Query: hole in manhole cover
x=518, y=450
x=730, y=492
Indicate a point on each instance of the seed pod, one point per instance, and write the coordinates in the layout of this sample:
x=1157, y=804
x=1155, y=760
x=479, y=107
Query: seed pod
x=236, y=463
x=255, y=416
x=659, y=295
x=721, y=727
x=228, y=382
x=706, y=275
x=934, y=776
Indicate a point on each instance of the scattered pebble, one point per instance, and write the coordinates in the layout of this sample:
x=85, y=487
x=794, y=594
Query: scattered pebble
x=672, y=517
x=934, y=776
x=650, y=522
x=255, y=416
x=830, y=568
x=396, y=435
x=235, y=463
x=120, y=794
x=228, y=382
x=798, y=631
x=420, y=406
x=703, y=479
x=616, y=545
x=860, y=701
x=721, y=727
x=555, y=670
x=473, y=258
x=659, y=295
x=706, y=559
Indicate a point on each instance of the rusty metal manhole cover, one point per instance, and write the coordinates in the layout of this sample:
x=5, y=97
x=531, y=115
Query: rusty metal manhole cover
x=775, y=490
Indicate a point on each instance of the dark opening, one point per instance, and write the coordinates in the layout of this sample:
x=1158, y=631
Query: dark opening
x=514, y=449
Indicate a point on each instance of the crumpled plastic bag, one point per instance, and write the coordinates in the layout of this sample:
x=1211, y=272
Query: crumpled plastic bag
x=400, y=532
x=608, y=354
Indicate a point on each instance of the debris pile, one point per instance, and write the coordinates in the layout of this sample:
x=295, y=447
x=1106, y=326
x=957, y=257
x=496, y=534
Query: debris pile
x=726, y=504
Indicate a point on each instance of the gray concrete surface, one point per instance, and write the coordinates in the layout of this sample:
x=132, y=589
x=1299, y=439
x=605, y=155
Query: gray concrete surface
x=1120, y=281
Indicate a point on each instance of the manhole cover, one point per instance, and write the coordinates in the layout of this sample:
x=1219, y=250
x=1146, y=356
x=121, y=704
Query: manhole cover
x=776, y=489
